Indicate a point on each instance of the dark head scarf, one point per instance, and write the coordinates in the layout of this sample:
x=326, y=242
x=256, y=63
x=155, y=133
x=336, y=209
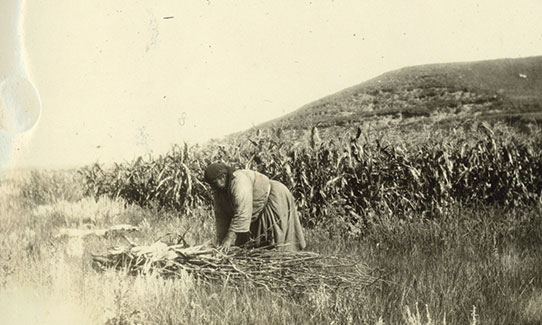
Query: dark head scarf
x=213, y=171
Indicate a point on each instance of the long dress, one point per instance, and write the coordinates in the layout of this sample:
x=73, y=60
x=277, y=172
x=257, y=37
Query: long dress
x=261, y=211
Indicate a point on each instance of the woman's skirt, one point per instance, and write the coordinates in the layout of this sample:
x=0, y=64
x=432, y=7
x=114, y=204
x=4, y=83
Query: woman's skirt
x=278, y=224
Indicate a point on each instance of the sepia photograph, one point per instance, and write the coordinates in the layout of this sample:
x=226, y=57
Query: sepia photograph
x=270, y=162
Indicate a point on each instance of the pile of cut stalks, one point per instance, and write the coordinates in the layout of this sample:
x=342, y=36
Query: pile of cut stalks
x=271, y=268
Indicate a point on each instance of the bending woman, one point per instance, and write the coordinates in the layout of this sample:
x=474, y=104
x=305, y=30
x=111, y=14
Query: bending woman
x=252, y=209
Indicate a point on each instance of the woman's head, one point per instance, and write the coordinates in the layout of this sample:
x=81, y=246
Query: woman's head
x=217, y=175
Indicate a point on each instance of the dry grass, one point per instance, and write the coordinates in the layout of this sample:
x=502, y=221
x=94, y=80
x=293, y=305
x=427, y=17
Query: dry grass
x=472, y=266
x=290, y=273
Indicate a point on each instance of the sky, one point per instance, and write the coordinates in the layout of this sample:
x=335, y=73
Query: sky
x=101, y=81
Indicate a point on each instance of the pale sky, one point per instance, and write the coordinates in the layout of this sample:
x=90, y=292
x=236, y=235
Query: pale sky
x=116, y=79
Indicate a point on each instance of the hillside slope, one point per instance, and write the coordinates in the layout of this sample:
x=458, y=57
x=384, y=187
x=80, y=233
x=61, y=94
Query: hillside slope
x=508, y=89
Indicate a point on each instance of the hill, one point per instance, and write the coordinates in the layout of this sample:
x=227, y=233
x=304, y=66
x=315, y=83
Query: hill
x=504, y=89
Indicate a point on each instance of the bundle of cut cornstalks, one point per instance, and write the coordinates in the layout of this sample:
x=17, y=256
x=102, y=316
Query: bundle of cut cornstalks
x=275, y=270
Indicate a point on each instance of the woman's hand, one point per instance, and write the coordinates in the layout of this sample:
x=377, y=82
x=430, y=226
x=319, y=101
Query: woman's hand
x=228, y=241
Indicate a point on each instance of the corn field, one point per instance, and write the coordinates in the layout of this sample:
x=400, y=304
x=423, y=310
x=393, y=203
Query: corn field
x=166, y=182
x=356, y=176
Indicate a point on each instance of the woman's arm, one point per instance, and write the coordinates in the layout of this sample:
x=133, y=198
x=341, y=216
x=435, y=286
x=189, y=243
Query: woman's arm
x=241, y=194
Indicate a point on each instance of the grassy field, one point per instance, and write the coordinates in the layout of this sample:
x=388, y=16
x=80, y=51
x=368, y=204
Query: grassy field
x=472, y=265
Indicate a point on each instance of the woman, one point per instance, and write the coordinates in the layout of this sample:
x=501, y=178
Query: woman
x=251, y=209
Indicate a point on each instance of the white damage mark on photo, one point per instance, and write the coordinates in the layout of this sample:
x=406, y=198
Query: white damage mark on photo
x=20, y=106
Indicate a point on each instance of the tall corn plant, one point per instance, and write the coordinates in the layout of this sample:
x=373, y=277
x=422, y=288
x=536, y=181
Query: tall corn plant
x=359, y=175
x=166, y=182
